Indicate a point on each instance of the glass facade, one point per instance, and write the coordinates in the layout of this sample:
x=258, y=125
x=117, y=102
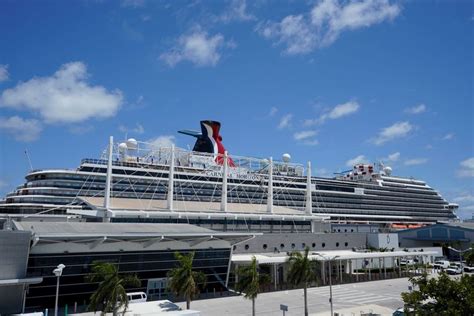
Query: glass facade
x=146, y=264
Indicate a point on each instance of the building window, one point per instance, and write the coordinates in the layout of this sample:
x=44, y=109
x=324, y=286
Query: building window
x=324, y=245
x=265, y=246
x=337, y=244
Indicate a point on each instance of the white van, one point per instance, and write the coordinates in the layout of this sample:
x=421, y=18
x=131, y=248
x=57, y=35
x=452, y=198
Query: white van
x=441, y=264
x=136, y=297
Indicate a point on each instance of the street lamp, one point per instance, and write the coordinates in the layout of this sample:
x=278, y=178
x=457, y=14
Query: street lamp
x=330, y=259
x=57, y=272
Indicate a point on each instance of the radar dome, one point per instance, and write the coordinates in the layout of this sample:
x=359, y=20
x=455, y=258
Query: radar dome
x=387, y=170
x=286, y=157
x=132, y=143
x=122, y=147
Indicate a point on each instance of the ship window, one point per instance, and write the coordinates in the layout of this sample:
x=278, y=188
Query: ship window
x=293, y=246
x=337, y=244
x=313, y=244
x=282, y=245
x=338, y=230
x=352, y=230
x=324, y=245
x=345, y=230
x=246, y=247
x=265, y=246
x=303, y=245
x=346, y=244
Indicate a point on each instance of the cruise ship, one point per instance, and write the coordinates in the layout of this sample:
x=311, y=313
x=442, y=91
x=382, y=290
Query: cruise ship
x=136, y=181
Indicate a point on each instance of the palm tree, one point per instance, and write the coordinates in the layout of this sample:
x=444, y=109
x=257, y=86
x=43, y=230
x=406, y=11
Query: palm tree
x=110, y=293
x=302, y=271
x=183, y=280
x=250, y=280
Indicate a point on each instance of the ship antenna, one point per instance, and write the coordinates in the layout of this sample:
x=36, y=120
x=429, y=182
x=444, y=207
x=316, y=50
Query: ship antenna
x=28, y=158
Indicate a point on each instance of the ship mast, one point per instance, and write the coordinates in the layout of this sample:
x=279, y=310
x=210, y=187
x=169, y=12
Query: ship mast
x=108, y=180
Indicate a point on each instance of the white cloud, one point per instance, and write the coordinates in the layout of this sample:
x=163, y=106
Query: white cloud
x=303, y=33
x=415, y=161
x=285, y=121
x=133, y=3
x=356, y=160
x=237, y=11
x=392, y=157
x=304, y=135
x=4, y=75
x=417, y=109
x=138, y=129
x=161, y=141
x=338, y=111
x=273, y=111
x=25, y=130
x=64, y=97
x=448, y=136
x=397, y=130
x=198, y=48
x=467, y=168
x=464, y=198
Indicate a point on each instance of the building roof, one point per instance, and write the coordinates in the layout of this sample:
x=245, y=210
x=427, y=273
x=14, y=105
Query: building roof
x=328, y=256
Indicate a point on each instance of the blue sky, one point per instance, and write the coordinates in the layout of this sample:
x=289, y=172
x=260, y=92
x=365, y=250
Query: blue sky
x=333, y=82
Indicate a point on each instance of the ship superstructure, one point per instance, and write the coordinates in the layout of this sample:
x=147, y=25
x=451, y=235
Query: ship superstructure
x=210, y=187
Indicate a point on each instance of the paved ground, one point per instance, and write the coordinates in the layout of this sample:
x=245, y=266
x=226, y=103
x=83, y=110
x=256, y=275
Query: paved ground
x=355, y=296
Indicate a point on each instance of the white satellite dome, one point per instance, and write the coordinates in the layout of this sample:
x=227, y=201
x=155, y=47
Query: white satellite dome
x=286, y=157
x=387, y=170
x=132, y=143
x=122, y=147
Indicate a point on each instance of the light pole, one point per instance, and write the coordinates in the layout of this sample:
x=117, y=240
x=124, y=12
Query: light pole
x=57, y=272
x=330, y=259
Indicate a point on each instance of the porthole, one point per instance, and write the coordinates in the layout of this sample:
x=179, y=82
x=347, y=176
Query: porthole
x=346, y=244
x=303, y=245
x=265, y=246
x=246, y=247
x=338, y=230
x=313, y=244
x=352, y=230
x=235, y=247
x=337, y=244
x=345, y=230
x=293, y=246
x=323, y=245
x=282, y=245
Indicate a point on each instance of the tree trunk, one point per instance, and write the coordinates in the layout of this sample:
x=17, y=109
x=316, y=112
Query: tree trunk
x=253, y=307
x=188, y=302
x=305, y=294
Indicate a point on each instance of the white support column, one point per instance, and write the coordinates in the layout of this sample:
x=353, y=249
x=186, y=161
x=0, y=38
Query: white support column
x=309, y=199
x=270, y=187
x=171, y=180
x=108, y=180
x=224, y=183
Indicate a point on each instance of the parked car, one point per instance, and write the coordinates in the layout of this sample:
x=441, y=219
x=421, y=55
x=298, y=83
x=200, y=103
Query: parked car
x=468, y=269
x=136, y=297
x=405, y=262
x=441, y=264
x=454, y=269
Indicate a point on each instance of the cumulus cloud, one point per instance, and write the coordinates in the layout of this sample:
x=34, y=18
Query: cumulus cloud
x=161, y=141
x=285, y=121
x=64, y=97
x=336, y=112
x=138, y=129
x=415, y=161
x=306, y=137
x=4, y=75
x=467, y=197
x=237, y=11
x=467, y=168
x=356, y=160
x=25, y=130
x=303, y=33
x=197, y=47
x=392, y=157
x=448, y=136
x=397, y=130
x=417, y=109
